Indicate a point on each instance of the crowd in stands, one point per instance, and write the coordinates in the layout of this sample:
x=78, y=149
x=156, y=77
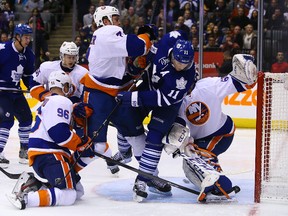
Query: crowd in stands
x=229, y=25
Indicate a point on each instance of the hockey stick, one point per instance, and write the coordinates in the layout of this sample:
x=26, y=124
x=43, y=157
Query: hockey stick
x=10, y=175
x=147, y=175
x=15, y=90
x=106, y=121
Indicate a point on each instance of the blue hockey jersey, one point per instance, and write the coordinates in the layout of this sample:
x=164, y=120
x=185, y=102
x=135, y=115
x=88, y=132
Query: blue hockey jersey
x=15, y=66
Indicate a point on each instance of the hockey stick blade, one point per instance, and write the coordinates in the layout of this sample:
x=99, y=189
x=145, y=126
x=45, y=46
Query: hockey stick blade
x=10, y=175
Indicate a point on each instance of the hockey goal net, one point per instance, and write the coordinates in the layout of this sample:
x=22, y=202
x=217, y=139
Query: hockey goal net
x=271, y=163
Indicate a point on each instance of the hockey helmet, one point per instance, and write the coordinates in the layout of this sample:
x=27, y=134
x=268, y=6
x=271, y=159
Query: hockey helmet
x=104, y=12
x=60, y=79
x=22, y=29
x=183, y=51
x=69, y=48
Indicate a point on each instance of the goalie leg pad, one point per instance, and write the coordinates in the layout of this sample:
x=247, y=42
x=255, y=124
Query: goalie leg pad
x=196, y=170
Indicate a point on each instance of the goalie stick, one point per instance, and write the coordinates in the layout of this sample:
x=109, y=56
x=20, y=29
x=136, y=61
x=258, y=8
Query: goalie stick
x=10, y=175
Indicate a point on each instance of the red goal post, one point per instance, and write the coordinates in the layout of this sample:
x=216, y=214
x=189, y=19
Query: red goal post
x=271, y=160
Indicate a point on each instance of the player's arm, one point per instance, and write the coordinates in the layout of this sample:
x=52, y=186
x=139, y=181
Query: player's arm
x=37, y=88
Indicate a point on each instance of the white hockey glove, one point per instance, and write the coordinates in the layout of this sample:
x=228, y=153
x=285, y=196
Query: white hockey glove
x=244, y=70
x=176, y=139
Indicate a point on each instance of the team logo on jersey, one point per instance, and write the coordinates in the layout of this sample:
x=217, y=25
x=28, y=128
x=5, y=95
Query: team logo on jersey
x=16, y=75
x=163, y=61
x=2, y=46
x=174, y=34
x=197, y=113
x=181, y=83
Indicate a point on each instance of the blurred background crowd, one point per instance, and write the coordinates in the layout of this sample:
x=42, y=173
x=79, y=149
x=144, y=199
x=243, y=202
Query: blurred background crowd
x=230, y=26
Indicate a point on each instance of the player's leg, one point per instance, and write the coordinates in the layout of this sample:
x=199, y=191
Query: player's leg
x=161, y=121
x=6, y=123
x=51, y=167
x=24, y=116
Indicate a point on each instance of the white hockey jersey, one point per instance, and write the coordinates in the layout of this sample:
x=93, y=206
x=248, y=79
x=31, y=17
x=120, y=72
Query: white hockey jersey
x=106, y=55
x=42, y=74
x=202, y=108
x=51, y=132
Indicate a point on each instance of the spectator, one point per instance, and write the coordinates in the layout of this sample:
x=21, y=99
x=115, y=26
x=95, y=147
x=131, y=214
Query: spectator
x=188, y=18
x=281, y=66
x=53, y=8
x=87, y=18
x=172, y=13
x=41, y=46
x=226, y=66
x=249, y=38
x=4, y=37
x=195, y=43
x=240, y=19
x=217, y=35
x=82, y=48
x=149, y=17
x=227, y=43
x=277, y=20
x=127, y=27
x=181, y=26
x=211, y=44
x=132, y=16
x=237, y=38
x=254, y=19
x=160, y=33
x=8, y=12
x=139, y=8
x=32, y=4
x=194, y=31
x=240, y=4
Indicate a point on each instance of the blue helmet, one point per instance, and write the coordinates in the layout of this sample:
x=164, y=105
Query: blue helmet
x=183, y=51
x=22, y=29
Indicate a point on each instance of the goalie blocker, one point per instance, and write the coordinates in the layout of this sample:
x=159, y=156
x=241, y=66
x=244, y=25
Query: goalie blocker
x=203, y=175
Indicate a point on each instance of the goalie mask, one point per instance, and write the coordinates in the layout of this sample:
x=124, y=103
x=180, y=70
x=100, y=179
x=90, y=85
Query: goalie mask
x=244, y=70
x=60, y=80
x=104, y=12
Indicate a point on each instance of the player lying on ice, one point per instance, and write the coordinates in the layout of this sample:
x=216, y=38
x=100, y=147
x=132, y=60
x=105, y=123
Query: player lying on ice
x=50, y=142
x=211, y=129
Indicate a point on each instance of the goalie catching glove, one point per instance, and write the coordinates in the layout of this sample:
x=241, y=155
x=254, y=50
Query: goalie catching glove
x=244, y=70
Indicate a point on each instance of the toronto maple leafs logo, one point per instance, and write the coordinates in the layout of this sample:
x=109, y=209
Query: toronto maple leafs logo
x=174, y=34
x=2, y=46
x=16, y=75
x=181, y=83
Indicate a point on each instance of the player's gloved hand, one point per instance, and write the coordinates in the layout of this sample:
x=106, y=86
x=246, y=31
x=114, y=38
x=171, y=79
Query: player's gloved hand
x=151, y=29
x=85, y=141
x=129, y=99
x=140, y=62
x=82, y=110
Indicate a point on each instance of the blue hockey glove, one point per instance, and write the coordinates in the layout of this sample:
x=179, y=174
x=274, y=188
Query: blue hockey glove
x=129, y=99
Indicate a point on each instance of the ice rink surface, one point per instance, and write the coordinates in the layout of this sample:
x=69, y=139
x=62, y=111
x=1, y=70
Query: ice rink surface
x=107, y=195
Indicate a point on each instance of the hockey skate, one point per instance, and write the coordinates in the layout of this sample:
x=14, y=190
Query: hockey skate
x=159, y=187
x=139, y=191
x=23, y=155
x=121, y=157
x=18, y=197
x=4, y=163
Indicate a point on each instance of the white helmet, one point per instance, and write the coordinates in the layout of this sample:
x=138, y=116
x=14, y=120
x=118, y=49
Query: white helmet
x=103, y=12
x=69, y=48
x=59, y=79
